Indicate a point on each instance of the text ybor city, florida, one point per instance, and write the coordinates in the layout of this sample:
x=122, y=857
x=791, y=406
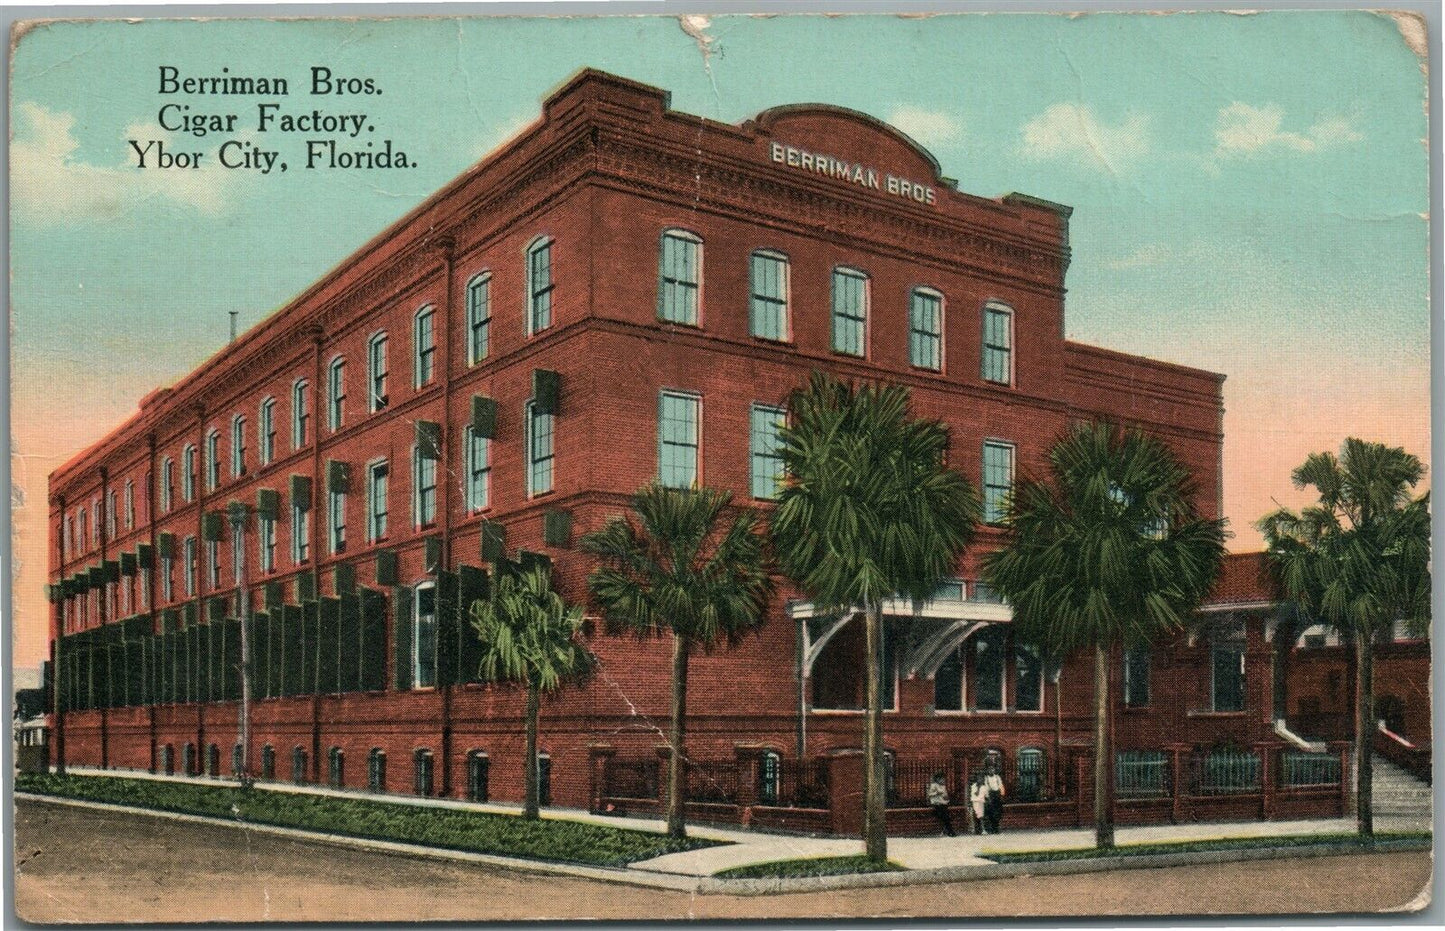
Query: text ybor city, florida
x=333, y=134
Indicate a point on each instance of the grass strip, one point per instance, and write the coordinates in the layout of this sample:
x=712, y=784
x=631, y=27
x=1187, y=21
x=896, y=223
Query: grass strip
x=1199, y=846
x=451, y=829
x=810, y=866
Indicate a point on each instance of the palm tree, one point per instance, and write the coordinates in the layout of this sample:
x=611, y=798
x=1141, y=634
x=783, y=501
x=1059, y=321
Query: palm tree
x=868, y=511
x=1110, y=552
x=1358, y=559
x=529, y=634
x=686, y=569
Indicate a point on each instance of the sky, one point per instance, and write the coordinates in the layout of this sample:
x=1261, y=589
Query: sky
x=1250, y=193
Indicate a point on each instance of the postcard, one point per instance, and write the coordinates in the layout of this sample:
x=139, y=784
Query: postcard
x=719, y=466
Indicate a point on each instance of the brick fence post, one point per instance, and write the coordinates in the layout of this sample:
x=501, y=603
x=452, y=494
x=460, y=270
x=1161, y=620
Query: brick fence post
x=598, y=756
x=845, y=792
x=1083, y=810
x=1176, y=784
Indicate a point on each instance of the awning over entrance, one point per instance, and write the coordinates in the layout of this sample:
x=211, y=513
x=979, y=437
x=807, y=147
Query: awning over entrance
x=934, y=628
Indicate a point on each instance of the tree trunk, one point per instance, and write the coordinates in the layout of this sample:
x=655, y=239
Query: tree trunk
x=531, y=806
x=1285, y=634
x=875, y=831
x=677, y=762
x=1103, y=753
x=1364, y=733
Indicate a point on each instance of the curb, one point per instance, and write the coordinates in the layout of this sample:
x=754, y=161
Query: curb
x=707, y=885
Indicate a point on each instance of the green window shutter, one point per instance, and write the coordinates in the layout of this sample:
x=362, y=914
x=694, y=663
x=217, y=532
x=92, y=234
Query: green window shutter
x=343, y=579
x=349, y=650
x=387, y=568
x=216, y=609
x=557, y=527
x=306, y=587
x=145, y=555
x=261, y=655
x=338, y=476
x=373, y=640
x=268, y=503
x=294, y=681
x=190, y=615
x=213, y=527
x=448, y=628
x=275, y=651
x=110, y=571
x=432, y=554
x=275, y=595
x=208, y=642
x=166, y=544
x=310, y=647
x=546, y=391
x=135, y=672
x=237, y=512
x=52, y=593
x=128, y=566
x=429, y=439
x=484, y=417
x=170, y=620
x=527, y=559
x=401, y=638
x=472, y=588
x=231, y=660
x=301, y=492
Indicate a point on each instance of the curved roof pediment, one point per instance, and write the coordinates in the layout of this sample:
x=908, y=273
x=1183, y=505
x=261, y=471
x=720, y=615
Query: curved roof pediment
x=850, y=137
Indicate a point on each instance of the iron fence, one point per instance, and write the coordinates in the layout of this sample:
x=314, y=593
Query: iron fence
x=712, y=781
x=1142, y=774
x=1225, y=772
x=635, y=779
x=799, y=784
x=907, y=781
x=1298, y=769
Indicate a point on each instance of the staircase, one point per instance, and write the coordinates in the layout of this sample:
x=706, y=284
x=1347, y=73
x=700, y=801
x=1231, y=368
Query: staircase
x=1402, y=802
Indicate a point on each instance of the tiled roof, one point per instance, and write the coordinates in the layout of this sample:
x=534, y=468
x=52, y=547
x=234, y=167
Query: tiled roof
x=1243, y=578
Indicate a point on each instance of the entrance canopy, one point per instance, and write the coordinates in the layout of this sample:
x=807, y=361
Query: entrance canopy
x=932, y=629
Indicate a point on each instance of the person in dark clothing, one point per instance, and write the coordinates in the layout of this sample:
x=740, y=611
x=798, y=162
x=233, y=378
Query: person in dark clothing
x=993, y=807
x=938, y=801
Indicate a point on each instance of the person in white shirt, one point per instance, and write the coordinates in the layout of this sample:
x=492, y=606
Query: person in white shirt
x=993, y=808
x=977, y=802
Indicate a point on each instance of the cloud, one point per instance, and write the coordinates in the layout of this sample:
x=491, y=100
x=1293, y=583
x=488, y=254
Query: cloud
x=1242, y=129
x=51, y=185
x=1067, y=130
x=928, y=127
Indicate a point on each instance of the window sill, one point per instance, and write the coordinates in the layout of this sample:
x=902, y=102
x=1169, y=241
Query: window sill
x=1216, y=714
x=773, y=341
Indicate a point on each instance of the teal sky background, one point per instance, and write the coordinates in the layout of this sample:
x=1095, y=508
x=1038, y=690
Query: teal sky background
x=1250, y=192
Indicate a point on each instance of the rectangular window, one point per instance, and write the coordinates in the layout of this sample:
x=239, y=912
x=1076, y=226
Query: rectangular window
x=1028, y=678
x=478, y=470
x=997, y=345
x=95, y=523
x=1136, y=676
x=479, y=318
x=769, y=305
x=336, y=508
x=424, y=480
x=82, y=540
x=925, y=330
x=539, y=287
x=300, y=534
x=1227, y=662
x=424, y=338
x=213, y=461
x=238, y=555
x=336, y=393
x=988, y=668
x=948, y=683
x=376, y=482
x=376, y=365
x=424, y=639
x=998, y=478
x=238, y=447
x=300, y=414
x=168, y=592
x=766, y=441
x=213, y=563
x=190, y=555
x=129, y=505
x=850, y=312
x=110, y=510
x=267, y=431
x=677, y=439
x=540, y=439
x=678, y=274
x=266, y=530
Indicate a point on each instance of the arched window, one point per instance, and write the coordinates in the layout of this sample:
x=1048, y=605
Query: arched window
x=190, y=765
x=479, y=317
x=266, y=431
x=768, y=272
x=238, y=760
x=168, y=484
x=336, y=393
x=376, y=369
x=770, y=766
x=544, y=778
x=168, y=760
x=376, y=770
x=541, y=434
x=539, y=285
x=424, y=636
x=925, y=329
x=298, y=765
x=335, y=768
x=378, y=479
x=478, y=766
x=850, y=312
x=268, y=762
x=129, y=503
x=1029, y=775
x=213, y=761
x=300, y=413
x=478, y=465
x=998, y=344
x=213, y=460
x=424, y=488
x=424, y=347
x=188, y=473
x=422, y=772
x=238, y=446
x=679, y=277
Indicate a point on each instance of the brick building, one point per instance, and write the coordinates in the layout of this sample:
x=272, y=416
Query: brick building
x=623, y=292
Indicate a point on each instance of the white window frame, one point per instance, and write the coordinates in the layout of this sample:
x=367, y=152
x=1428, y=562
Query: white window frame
x=416, y=625
x=378, y=371
x=754, y=298
x=479, y=283
x=129, y=504
x=213, y=459
x=423, y=357
x=529, y=413
x=266, y=543
x=110, y=514
x=469, y=470
x=662, y=397
x=848, y=271
x=189, y=472
x=540, y=244
x=266, y=430
x=373, y=532
x=300, y=414
x=336, y=522
x=191, y=557
x=418, y=519
x=336, y=393
x=937, y=295
x=238, y=446
x=667, y=282
x=1008, y=312
x=983, y=474
x=300, y=534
